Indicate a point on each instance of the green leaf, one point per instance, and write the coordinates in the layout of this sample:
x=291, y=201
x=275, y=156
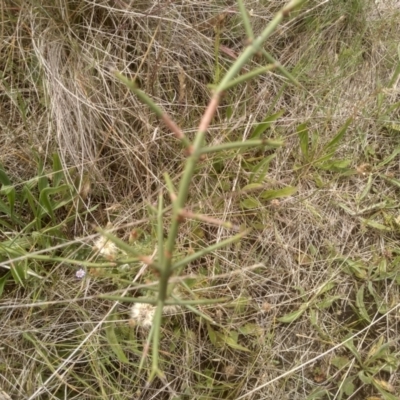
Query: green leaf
x=379, y=350
x=302, y=132
x=9, y=191
x=393, y=181
x=318, y=394
x=28, y=196
x=266, y=124
x=242, y=146
x=383, y=307
x=326, y=288
x=260, y=170
x=4, y=208
x=211, y=334
x=240, y=304
x=293, y=316
x=4, y=180
x=335, y=165
x=376, y=225
x=340, y=362
x=360, y=304
x=228, y=112
x=58, y=174
x=347, y=209
x=114, y=343
x=251, y=329
x=379, y=384
x=387, y=160
x=44, y=198
x=279, y=193
x=356, y=268
x=120, y=243
x=3, y=281
x=19, y=271
x=394, y=127
x=313, y=315
x=250, y=203
x=350, y=345
x=231, y=342
x=348, y=386
x=252, y=187
x=333, y=144
x=43, y=183
x=367, y=188
x=326, y=303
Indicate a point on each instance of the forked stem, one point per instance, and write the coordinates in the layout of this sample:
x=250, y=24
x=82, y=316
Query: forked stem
x=195, y=152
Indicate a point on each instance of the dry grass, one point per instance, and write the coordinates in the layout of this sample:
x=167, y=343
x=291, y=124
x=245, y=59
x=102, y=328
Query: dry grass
x=59, y=340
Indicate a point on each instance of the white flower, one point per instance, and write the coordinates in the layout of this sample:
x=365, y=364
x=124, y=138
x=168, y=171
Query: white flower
x=142, y=314
x=80, y=273
x=106, y=247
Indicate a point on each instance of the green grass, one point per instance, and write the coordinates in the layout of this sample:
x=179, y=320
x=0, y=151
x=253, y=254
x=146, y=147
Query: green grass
x=303, y=306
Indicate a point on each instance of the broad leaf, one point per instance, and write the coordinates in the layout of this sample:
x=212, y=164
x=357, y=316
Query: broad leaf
x=250, y=203
x=44, y=198
x=302, y=132
x=9, y=191
x=57, y=170
x=340, y=362
x=260, y=170
x=348, y=386
x=211, y=334
x=19, y=271
x=277, y=194
x=293, y=316
x=360, y=304
x=114, y=343
x=4, y=179
x=335, y=165
x=333, y=144
x=376, y=225
x=3, y=281
x=266, y=124
x=251, y=329
x=251, y=187
x=350, y=345
x=231, y=342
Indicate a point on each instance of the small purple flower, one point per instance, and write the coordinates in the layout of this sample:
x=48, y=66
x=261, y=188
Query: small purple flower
x=80, y=273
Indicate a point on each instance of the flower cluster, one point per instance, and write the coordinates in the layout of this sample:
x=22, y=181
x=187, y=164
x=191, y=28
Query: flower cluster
x=142, y=314
x=106, y=248
x=80, y=273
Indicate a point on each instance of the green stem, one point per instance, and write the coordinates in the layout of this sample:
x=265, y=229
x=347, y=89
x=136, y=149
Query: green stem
x=273, y=144
x=160, y=227
x=250, y=75
x=279, y=67
x=196, y=302
x=183, y=192
x=256, y=45
x=129, y=299
x=201, y=253
x=246, y=20
x=156, y=336
x=155, y=108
